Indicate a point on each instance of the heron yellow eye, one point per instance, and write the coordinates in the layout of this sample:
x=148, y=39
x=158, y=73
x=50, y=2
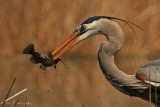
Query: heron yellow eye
x=83, y=27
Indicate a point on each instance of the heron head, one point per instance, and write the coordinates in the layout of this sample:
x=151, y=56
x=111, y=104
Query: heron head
x=88, y=28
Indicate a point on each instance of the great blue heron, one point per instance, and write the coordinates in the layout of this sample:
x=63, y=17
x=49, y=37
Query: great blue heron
x=145, y=84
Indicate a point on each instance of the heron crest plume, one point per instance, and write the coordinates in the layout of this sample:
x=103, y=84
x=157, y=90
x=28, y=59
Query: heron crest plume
x=91, y=19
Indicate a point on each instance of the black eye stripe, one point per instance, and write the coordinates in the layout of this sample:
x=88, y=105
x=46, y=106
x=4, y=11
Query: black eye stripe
x=84, y=31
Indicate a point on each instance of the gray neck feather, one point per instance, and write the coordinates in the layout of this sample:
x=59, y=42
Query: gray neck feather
x=108, y=66
x=108, y=49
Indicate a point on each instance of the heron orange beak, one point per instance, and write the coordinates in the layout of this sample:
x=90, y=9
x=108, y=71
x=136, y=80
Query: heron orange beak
x=66, y=45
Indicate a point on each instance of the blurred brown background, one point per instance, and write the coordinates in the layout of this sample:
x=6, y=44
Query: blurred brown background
x=47, y=23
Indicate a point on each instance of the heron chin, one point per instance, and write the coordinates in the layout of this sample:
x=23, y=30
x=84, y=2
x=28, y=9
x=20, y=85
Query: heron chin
x=142, y=84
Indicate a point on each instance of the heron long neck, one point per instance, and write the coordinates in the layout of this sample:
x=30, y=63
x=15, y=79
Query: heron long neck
x=116, y=77
x=108, y=66
x=120, y=80
x=108, y=49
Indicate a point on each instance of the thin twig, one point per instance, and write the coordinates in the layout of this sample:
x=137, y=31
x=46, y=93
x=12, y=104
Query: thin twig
x=155, y=93
x=8, y=92
x=16, y=94
x=25, y=102
x=16, y=102
x=149, y=89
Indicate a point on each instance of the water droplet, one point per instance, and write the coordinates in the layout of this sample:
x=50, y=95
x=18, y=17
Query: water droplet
x=48, y=87
x=42, y=101
x=40, y=77
x=43, y=85
x=48, y=91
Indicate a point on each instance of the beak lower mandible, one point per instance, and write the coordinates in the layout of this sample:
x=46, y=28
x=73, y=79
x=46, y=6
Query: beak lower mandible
x=66, y=45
